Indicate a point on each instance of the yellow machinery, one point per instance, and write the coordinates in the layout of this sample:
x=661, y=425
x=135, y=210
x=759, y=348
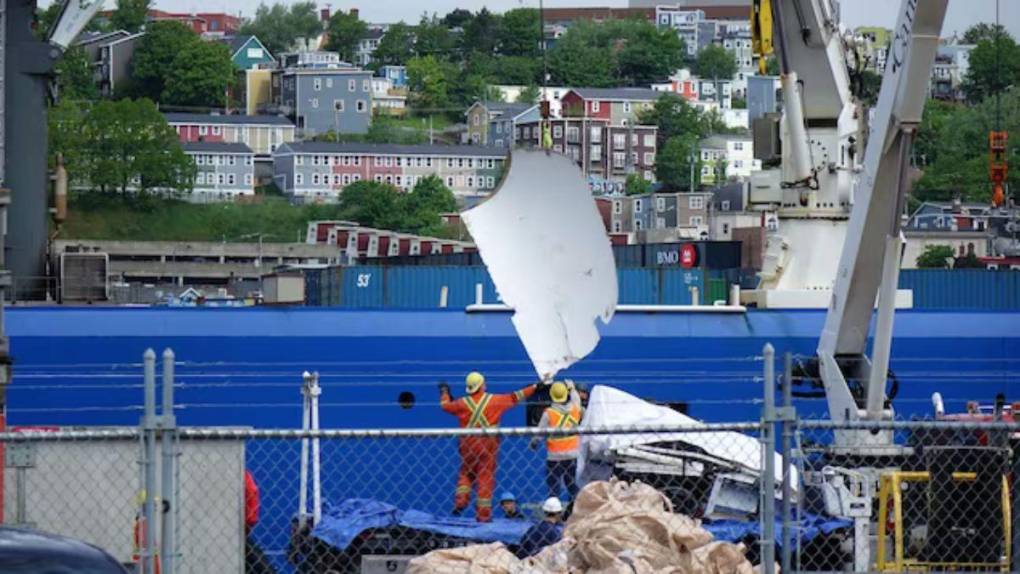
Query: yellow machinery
x=891, y=503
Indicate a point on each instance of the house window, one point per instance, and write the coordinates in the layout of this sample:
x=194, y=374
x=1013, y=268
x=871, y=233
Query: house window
x=626, y=107
x=725, y=205
x=573, y=134
x=449, y=162
x=616, y=227
x=471, y=163
x=399, y=181
x=317, y=84
x=352, y=85
x=315, y=102
x=499, y=128
x=362, y=106
x=696, y=202
x=203, y=130
x=649, y=158
x=378, y=178
x=200, y=159
x=492, y=163
x=336, y=178
x=389, y=179
x=726, y=229
x=231, y=160
x=449, y=181
x=638, y=224
x=619, y=141
x=557, y=131
x=558, y=148
x=649, y=140
x=248, y=160
x=329, y=82
x=619, y=159
x=219, y=178
x=200, y=178
x=338, y=105
x=476, y=120
x=660, y=204
x=299, y=160
x=217, y=130
x=696, y=220
x=660, y=223
x=315, y=179
x=366, y=86
x=595, y=107
x=617, y=207
x=346, y=179
x=460, y=162
x=596, y=135
x=738, y=146
x=596, y=152
x=638, y=207
x=231, y=179
x=470, y=181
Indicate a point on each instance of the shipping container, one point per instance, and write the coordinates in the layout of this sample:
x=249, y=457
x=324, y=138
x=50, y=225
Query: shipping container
x=364, y=287
x=979, y=289
x=637, y=286
x=421, y=287
x=629, y=255
x=676, y=285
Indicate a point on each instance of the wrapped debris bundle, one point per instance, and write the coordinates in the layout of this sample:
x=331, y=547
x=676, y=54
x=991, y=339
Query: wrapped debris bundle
x=615, y=527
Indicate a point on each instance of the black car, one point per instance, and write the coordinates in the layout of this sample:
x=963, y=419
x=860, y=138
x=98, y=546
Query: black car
x=33, y=552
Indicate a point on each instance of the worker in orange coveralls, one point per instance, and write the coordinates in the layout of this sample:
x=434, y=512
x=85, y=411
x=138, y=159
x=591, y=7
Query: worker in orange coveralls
x=478, y=409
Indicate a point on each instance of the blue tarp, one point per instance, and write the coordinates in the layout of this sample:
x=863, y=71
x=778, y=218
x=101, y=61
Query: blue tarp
x=342, y=523
x=810, y=526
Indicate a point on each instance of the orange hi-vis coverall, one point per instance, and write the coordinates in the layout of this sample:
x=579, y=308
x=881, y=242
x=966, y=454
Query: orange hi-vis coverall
x=478, y=453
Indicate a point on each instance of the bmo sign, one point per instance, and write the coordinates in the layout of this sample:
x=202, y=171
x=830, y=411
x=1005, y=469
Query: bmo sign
x=684, y=255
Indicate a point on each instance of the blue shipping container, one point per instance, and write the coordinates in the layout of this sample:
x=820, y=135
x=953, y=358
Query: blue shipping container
x=677, y=283
x=962, y=288
x=637, y=286
x=364, y=287
x=420, y=287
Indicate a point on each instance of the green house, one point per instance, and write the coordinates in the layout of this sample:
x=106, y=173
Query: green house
x=247, y=52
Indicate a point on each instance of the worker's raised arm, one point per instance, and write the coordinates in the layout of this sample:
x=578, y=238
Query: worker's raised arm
x=447, y=403
x=524, y=393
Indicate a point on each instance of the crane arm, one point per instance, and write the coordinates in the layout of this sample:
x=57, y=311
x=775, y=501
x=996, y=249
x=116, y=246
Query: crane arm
x=74, y=16
x=871, y=252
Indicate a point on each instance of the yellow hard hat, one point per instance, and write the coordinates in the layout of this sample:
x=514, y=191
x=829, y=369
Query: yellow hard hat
x=558, y=392
x=474, y=381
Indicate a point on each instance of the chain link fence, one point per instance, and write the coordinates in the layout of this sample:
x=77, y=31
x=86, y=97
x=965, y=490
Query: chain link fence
x=668, y=495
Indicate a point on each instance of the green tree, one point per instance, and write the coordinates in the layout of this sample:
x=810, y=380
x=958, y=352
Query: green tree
x=578, y=60
x=952, y=148
x=74, y=75
x=517, y=70
x=982, y=31
x=772, y=66
x=279, y=27
x=519, y=34
x=432, y=38
x=646, y=54
x=717, y=63
x=935, y=257
x=45, y=18
x=481, y=33
x=674, y=160
x=428, y=79
x=994, y=65
x=424, y=204
x=457, y=18
x=199, y=75
x=674, y=117
x=637, y=185
x=130, y=15
x=373, y=204
x=120, y=145
x=529, y=95
x=869, y=85
x=344, y=32
x=162, y=42
x=396, y=47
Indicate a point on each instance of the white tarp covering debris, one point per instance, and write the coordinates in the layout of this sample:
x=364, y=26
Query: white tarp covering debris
x=544, y=243
x=608, y=406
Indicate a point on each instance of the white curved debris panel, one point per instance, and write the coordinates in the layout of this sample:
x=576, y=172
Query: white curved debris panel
x=546, y=248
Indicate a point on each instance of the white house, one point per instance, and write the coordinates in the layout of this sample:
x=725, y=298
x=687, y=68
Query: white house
x=736, y=150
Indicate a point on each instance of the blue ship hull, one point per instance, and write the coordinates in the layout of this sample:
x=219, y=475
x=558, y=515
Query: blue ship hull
x=81, y=366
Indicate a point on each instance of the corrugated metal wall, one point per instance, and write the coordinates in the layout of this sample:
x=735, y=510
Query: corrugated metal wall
x=962, y=288
x=418, y=287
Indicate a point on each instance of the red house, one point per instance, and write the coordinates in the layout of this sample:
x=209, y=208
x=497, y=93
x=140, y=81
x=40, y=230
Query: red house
x=620, y=106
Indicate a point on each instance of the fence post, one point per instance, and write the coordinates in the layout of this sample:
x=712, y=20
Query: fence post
x=768, y=479
x=789, y=419
x=168, y=437
x=149, y=464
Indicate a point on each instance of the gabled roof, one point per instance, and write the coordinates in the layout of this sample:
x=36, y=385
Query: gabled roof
x=373, y=34
x=236, y=43
x=619, y=94
x=216, y=147
x=392, y=149
x=233, y=119
x=86, y=38
x=497, y=109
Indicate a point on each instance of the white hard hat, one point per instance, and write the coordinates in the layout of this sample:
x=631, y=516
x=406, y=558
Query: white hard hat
x=552, y=506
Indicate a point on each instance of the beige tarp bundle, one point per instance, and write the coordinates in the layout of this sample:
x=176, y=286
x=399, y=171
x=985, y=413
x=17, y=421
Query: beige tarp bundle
x=616, y=527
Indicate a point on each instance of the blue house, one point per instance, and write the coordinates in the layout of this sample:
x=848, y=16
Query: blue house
x=395, y=74
x=247, y=52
